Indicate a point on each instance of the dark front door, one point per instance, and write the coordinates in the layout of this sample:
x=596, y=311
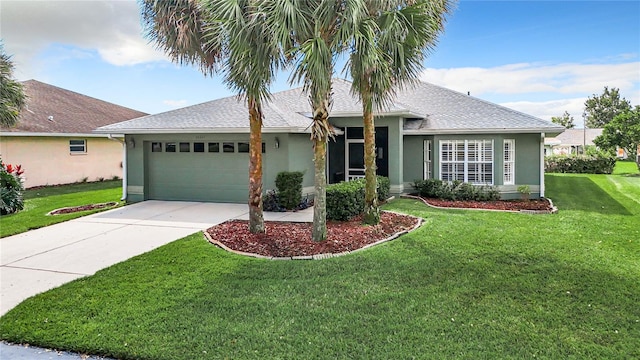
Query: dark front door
x=346, y=154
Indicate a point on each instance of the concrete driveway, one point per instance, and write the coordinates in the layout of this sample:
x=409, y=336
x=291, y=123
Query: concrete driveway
x=42, y=259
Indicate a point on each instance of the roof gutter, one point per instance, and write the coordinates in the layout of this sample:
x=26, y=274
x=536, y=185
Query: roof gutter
x=45, y=134
x=124, y=164
x=548, y=131
x=142, y=131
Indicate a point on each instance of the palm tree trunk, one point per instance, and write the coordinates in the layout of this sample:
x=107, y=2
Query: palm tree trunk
x=319, y=232
x=319, y=135
x=371, y=210
x=256, y=219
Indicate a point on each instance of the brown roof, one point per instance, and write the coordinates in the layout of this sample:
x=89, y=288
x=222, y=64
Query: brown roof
x=51, y=109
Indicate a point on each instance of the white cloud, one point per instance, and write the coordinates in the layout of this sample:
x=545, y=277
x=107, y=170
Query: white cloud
x=547, y=109
x=175, y=103
x=567, y=78
x=563, y=87
x=112, y=28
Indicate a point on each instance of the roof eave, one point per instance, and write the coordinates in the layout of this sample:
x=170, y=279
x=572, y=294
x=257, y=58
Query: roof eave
x=41, y=134
x=547, y=131
x=243, y=130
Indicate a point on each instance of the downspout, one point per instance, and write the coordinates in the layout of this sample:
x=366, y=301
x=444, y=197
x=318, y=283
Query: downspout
x=542, y=165
x=124, y=165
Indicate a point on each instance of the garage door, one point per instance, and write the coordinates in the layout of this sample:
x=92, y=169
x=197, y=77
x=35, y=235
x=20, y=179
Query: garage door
x=198, y=171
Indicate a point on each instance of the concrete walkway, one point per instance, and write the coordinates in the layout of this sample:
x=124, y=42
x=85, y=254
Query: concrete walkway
x=42, y=259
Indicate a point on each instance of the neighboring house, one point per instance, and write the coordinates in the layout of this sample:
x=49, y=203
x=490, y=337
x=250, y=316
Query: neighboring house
x=570, y=142
x=54, y=142
x=200, y=152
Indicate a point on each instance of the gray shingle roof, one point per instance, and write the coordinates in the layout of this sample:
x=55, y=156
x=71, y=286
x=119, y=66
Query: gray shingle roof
x=53, y=110
x=439, y=109
x=574, y=137
x=448, y=111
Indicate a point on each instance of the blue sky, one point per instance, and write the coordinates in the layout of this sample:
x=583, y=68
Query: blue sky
x=539, y=57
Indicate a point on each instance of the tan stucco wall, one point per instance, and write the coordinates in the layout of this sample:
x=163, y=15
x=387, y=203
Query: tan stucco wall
x=47, y=160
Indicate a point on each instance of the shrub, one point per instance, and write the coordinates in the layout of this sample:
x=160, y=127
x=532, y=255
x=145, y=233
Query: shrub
x=455, y=190
x=10, y=189
x=384, y=186
x=428, y=187
x=270, y=202
x=525, y=191
x=598, y=163
x=345, y=200
x=289, y=184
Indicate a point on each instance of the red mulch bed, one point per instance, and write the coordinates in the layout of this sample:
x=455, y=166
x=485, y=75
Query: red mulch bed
x=82, y=208
x=513, y=205
x=285, y=239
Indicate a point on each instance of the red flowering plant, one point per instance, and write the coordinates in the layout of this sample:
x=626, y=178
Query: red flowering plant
x=11, y=188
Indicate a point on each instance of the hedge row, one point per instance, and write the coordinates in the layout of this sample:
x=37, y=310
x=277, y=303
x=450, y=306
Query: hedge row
x=456, y=190
x=346, y=199
x=580, y=164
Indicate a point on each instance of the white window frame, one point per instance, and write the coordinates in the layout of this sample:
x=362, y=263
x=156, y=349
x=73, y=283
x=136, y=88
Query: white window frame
x=509, y=157
x=77, y=148
x=469, y=161
x=427, y=156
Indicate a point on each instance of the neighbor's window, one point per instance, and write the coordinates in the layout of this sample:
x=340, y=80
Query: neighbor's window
x=78, y=146
x=243, y=147
x=228, y=147
x=467, y=160
x=156, y=147
x=214, y=147
x=509, y=162
x=198, y=147
x=427, y=159
x=170, y=147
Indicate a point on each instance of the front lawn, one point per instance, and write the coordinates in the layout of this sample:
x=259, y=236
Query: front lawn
x=467, y=284
x=39, y=202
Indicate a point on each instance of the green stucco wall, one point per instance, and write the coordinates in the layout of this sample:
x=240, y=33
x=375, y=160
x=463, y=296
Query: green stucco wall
x=527, y=159
x=293, y=153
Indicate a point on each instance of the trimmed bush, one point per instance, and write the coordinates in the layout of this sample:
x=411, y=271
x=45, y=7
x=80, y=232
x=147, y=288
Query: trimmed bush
x=455, y=190
x=10, y=189
x=346, y=199
x=289, y=184
x=384, y=187
x=597, y=163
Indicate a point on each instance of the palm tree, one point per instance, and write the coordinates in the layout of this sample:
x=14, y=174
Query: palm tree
x=227, y=36
x=387, y=52
x=313, y=32
x=12, y=97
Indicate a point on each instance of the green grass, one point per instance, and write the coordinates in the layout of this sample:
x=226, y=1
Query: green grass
x=39, y=202
x=467, y=284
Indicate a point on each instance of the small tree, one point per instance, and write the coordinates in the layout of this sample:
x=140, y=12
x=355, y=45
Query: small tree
x=623, y=131
x=12, y=97
x=601, y=109
x=565, y=120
